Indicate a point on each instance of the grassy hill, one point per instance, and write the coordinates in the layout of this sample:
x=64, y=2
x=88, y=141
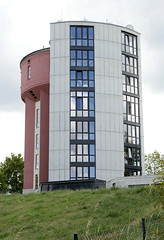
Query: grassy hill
x=60, y=214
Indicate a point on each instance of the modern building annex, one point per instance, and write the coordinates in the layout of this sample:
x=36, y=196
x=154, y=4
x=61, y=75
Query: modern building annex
x=83, y=105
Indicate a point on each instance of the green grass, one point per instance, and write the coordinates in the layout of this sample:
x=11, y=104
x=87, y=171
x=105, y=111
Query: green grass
x=60, y=214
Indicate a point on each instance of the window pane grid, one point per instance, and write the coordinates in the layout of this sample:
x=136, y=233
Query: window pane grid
x=82, y=152
x=82, y=78
x=132, y=156
x=82, y=104
x=130, y=84
x=129, y=64
x=82, y=36
x=131, y=134
x=82, y=111
x=79, y=173
x=131, y=108
x=129, y=43
x=82, y=58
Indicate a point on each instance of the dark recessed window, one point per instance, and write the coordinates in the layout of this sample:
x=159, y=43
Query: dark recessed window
x=36, y=181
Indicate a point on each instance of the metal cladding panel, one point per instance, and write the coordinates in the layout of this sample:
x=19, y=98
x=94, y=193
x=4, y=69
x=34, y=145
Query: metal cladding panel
x=59, y=103
x=108, y=102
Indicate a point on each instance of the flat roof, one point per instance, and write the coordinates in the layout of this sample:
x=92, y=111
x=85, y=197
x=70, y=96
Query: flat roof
x=92, y=22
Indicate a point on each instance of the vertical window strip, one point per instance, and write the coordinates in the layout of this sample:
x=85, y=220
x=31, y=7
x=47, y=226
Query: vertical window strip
x=82, y=128
x=132, y=155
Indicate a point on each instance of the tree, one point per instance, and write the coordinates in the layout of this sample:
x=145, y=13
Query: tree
x=11, y=174
x=154, y=163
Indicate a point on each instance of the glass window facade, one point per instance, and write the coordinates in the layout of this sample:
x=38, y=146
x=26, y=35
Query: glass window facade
x=131, y=113
x=82, y=36
x=82, y=107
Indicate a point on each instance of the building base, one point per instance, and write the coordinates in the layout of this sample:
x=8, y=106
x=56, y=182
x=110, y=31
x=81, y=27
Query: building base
x=132, y=181
x=28, y=191
x=73, y=185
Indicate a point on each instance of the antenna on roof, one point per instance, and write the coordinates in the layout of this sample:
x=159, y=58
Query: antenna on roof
x=106, y=20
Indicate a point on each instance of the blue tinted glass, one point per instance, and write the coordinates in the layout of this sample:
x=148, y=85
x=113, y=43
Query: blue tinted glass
x=91, y=136
x=91, y=83
x=72, y=42
x=72, y=62
x=73, y=84
x=91, y=43
x=72, y=32
x=85, y=63
x=91, y=104
x=79, y=63
x=92, y=172
x=85, y=75
x=91, y=33
x=73, y=74
x=79, y=74
x=90, y=54
x=79, y=83
x=92, y=158
x=90, y=63
x=85, y=83
x=91, y=75
x=78, y=42
x=73, y=54
x=79, y=54
x=92, y=149
x=79, y=104
x=84, y=42
x=91, y=113
x=84, y=54
x=91, y=94
x=84, y=32
x=73, y=172
x=78, y=32
x=91, y=127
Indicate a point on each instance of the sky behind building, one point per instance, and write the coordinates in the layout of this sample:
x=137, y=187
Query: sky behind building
x=25, y=27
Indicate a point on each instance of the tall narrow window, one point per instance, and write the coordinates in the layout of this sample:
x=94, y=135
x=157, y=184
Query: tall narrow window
x=36, y=181
x=37, y=117
x=37, y=141
x=29, y=72
x=82, y=107
x=132, y=153
x=37, y=161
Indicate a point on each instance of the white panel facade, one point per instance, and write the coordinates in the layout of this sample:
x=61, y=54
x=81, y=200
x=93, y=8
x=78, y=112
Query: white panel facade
x=59, y=103
x=108, y=102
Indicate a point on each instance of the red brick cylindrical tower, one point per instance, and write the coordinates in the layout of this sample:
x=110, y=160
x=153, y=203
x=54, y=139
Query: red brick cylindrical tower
x=35, y=69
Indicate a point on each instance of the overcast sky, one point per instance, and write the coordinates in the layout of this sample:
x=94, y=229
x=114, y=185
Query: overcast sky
x=25, y=27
